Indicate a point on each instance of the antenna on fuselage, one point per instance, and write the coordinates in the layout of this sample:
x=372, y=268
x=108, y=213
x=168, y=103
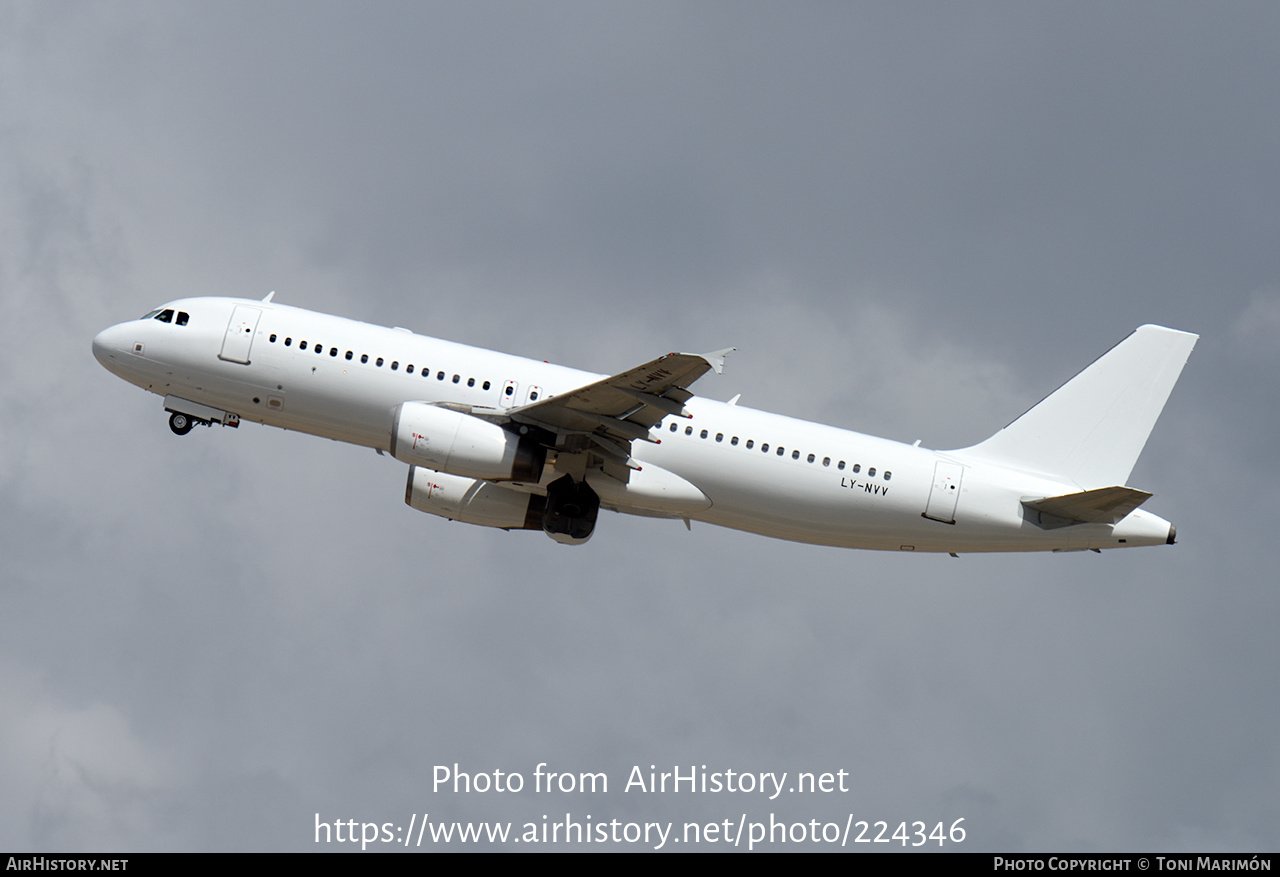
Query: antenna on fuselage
x=270, y=295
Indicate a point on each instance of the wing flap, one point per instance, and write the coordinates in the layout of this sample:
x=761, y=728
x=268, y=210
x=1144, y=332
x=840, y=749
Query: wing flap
x=624, y=406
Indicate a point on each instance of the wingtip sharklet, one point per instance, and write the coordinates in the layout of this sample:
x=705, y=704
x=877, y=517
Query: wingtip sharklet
x=716, y=358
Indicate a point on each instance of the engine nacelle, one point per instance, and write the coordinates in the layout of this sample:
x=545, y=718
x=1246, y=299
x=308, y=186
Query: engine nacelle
x=450, y=441
x=472, y=501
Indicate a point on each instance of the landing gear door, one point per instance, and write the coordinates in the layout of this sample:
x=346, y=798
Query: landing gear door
x=945, y=492
x=239, y=337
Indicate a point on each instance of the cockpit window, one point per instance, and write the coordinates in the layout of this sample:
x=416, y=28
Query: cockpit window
x=166, y=315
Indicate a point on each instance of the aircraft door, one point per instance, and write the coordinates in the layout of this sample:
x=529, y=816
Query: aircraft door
x=945, y=492
x=239, y=337
x=508, y=398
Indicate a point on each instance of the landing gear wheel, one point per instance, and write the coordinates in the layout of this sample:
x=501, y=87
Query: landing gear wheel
x=180, y=423
x=571, y=511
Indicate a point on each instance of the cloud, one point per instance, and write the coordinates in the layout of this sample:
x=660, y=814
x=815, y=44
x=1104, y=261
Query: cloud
x=77, y=776
x=910, y=226
x=1257, y=329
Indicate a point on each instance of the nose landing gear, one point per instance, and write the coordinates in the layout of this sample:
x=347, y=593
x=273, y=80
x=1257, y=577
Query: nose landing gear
x=184, y=415
x=180, y=423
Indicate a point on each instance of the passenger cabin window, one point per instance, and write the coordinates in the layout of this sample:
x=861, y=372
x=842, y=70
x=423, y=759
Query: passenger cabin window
x=364, y=357
x=288, y=341
x=272, y=339
x=302, y=345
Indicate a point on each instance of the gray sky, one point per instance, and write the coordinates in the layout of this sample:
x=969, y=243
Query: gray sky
x=913, y=220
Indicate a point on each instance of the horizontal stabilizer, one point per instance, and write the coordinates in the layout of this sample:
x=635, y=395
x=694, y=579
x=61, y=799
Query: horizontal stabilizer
x=1106, y=505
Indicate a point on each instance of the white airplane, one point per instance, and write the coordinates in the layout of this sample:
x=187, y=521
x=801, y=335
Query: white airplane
x=503, y=441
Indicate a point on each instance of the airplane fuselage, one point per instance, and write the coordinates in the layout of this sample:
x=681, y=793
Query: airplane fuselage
x=723, y=464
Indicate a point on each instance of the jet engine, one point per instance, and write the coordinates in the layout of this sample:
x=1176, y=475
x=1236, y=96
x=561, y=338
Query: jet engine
x=450, y=441
x=472, y=501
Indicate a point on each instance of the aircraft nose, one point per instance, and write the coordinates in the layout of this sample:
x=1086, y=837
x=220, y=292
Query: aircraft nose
x=108, y=344
x=102, y=345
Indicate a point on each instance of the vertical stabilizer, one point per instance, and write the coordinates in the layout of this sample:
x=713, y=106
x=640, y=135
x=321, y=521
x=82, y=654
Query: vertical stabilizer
x=1091, y=430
